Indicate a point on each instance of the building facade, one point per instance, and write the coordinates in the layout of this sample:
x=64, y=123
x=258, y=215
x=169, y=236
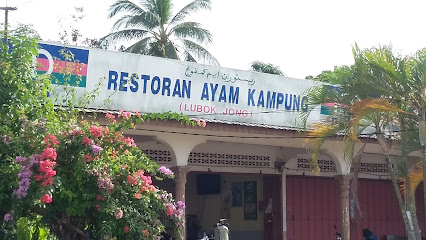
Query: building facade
x=249, y=164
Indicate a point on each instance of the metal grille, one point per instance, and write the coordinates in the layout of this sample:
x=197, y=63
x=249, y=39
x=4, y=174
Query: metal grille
x=218, y=159
x=158, y=155
x=324, y=165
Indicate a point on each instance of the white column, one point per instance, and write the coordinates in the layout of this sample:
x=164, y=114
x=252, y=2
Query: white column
x=181, y=145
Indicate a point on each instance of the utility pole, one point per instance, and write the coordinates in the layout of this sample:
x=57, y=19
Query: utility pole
x=6, y=13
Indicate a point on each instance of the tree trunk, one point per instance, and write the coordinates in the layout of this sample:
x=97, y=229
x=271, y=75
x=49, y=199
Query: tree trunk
x=408, y=224
x=409, y=221
x=65, y=230
x=411, y=202
x=422, y=138
x=424, y=180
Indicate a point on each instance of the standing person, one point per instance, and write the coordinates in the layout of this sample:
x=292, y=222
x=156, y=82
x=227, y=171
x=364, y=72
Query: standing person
x=369, y=235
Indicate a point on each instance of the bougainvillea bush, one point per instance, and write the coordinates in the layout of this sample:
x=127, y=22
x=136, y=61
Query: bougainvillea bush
x=70, y=175
x=91, y=181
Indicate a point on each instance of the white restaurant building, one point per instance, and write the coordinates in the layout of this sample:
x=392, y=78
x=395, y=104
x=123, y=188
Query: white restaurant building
x=249, y=164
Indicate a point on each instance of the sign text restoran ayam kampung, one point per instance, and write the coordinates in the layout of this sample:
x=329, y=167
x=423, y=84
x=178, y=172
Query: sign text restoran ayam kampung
x=214, y=92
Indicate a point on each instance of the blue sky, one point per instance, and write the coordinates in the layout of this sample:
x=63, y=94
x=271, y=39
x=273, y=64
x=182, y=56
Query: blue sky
x=303, y=37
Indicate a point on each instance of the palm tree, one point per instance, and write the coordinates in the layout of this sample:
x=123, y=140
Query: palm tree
x=339, y=73
x=359, y=111
x=258, y=66
x=405, y=83
x=157, y=32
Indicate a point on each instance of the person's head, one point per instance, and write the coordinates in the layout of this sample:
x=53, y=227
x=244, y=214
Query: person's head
x=366, y=232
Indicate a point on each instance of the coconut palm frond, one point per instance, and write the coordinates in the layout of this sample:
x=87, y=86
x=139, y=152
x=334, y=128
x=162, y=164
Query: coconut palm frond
x=368, y=106
x=384, y=59
x=153, y=17
x=171, y=51
x=327, y=96
x=418, y=68
x=191, y=8
x=193, y=31
x=146, y=20
x=384, y=62
x=317, y=136
x=199, y=52
x=123, y=20
x=124, y=6
x=389, y=75
x=161, y=8
x=371, y=76
x=417, y=76
x=415, y=178
x=126, y=35
x=188, y=57
x=349, y=151
x=314, y=94
x=140, y=46
x=409, y=142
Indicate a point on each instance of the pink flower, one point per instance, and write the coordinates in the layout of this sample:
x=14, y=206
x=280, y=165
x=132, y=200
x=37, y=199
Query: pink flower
x=46, y=166
x=139, y=173
x=87, y=158
x=87, y=141
x=47, y=181
x=96, y=131
x=8, y=217
x=180, y=205
x=110, y=116
x=49, y=153
x=129, y=142
x=6, y=140
x=126, y=229
x=129, y=179
x=137, y=196
x=152, y=188
x=124, y=114
x=96, y=149
x=118, y=214
x=144, y=189
x=200, y=122
x=145, y=232
x=46, y=198
x=147, y=180
x=76, y=132
x=169, y=211
x=137, y=113
x=50, y=139
x=165, y=170
x=38, y=178
x=105, y=183
x=50, y=173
